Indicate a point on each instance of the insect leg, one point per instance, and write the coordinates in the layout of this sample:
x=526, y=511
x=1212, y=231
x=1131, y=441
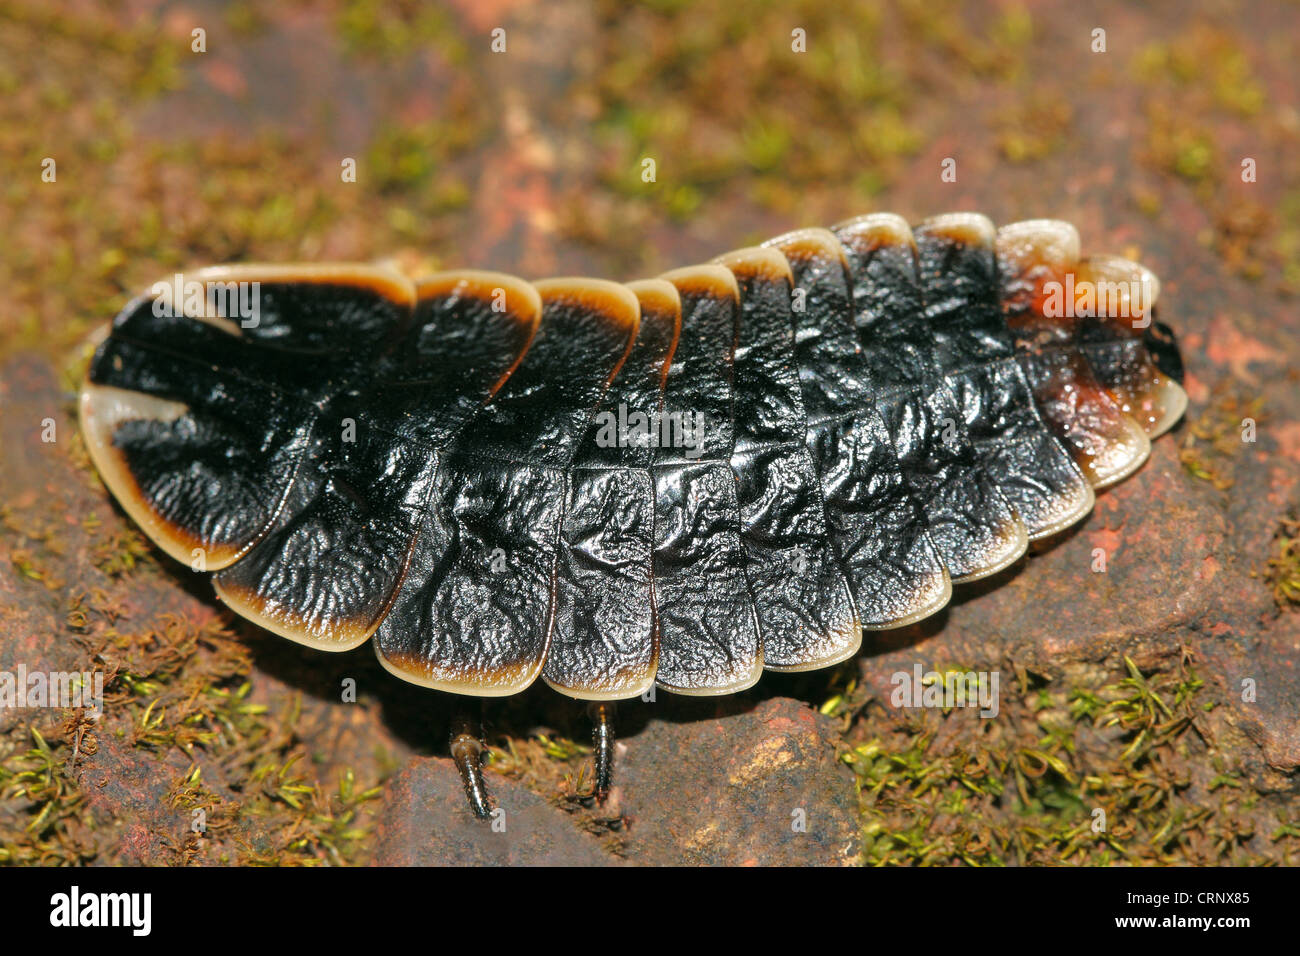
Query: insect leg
x=602, y=736
x=467, y=750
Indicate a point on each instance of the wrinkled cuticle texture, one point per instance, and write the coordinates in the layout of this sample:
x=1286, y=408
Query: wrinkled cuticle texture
x=500, y=494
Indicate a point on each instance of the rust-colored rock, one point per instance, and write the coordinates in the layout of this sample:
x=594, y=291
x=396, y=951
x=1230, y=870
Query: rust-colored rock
x=738, y=787
x=426, y=822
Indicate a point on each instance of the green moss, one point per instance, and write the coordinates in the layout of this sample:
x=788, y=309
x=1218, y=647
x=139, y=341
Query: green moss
x=1213, y=440
x=1093, y=774
x=106, y=230
x=406, y=159
x=183, y=688
x=1200, y=90
x=1034, y=128
x=1284, y=564
x=244, y=18
x=1203, y=58
x=36, y=780
x=376, y=28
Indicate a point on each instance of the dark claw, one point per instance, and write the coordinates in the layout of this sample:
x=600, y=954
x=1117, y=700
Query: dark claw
x=467, y=750
x=602, y=736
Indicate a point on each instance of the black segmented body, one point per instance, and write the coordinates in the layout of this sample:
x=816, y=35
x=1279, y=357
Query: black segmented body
x=884, y=412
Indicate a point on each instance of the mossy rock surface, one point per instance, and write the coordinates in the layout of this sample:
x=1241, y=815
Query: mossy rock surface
x=1162, y=691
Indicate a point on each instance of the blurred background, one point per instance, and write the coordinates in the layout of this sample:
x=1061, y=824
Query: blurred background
x=514, y=135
